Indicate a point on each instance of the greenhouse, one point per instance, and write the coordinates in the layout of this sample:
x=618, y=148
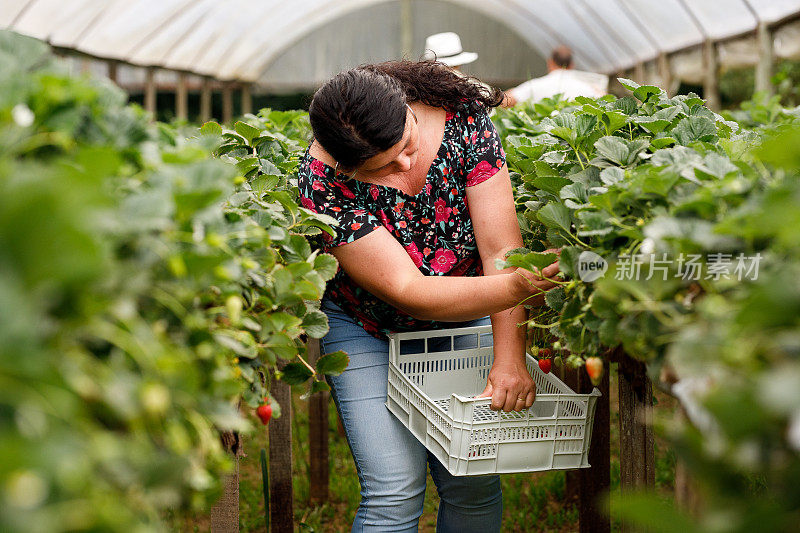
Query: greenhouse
x=400, y=265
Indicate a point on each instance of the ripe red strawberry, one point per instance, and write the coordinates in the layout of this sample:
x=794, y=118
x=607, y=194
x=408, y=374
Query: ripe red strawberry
x=545, y=365
x=594, y=367
x=544, y=353
x=264, y=412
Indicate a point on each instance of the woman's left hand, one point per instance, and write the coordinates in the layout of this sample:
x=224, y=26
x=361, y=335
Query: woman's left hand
x=510, y=386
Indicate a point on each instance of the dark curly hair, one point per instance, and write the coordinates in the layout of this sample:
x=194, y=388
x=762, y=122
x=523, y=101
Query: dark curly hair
x=362, y=112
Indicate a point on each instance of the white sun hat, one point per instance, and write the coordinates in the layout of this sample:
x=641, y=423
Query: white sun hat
x=446, y=48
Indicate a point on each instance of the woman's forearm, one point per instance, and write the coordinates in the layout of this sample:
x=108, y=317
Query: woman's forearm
x=456, y=299
x=380, y=265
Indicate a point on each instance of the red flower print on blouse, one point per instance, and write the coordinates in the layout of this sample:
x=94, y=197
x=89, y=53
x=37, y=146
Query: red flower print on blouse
x=307, y=203
x=415, y=254
x=443, y=261
x=433, y=226
x=482, y=171
x=318, y=168
x=462, y=267
x=442, y=211
x=385, y=220
x=345, y=190
x=448, y=115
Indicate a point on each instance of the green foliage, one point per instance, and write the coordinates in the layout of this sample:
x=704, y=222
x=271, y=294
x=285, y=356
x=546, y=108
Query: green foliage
x=603, y=176
x=153, y=278
x=763, y=110
x=147, y=289
x=670, y=180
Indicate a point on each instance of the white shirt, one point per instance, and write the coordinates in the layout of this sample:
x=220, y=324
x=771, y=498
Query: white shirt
x=570, y=83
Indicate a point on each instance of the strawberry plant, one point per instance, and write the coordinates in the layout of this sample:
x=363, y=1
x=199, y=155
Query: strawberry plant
x=148, y=287
x=646, y=182
x=266, y=150
x=643, y=174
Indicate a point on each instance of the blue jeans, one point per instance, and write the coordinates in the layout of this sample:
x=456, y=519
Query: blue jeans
x=391, y=462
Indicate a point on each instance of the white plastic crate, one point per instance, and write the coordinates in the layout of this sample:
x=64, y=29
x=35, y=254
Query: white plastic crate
x=431, y=391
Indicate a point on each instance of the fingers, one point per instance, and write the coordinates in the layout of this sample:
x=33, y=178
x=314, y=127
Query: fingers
x=500, y=398
x=544, y=285
x=550, y=270
x=487, y=392
x=508, y=400
x=530, y=398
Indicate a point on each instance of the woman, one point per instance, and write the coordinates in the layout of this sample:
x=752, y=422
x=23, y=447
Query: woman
x=406, y=159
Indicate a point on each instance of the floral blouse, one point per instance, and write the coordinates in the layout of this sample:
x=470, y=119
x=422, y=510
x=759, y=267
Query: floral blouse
x=433, y=226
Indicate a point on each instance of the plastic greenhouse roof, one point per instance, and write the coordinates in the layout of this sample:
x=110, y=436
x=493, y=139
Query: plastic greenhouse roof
x=239, y=39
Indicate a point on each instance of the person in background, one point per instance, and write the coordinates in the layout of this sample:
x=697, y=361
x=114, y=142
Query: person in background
x=446, y=48
x=561, y=78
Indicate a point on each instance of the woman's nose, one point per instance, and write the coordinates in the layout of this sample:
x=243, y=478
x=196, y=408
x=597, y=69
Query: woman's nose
x=405, y=163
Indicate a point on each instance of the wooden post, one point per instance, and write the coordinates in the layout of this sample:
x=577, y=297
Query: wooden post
x=572, y=492
x=711, y=75
x=225, y=514
x=637, y=449
x=227, y=102
x=112, y=70
x=766, y=55
x=205, y=100
x=247, y=99
x=664, y=72
x=280, y=462
x=687, y=493
x=318, y=435
x=638, y=73
x=595, y=482
x=181, y=98
x=150, y=92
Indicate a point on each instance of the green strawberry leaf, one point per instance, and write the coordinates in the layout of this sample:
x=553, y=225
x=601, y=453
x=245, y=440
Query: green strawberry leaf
x=628, y=84
x=555, y=215
x=531, y=261
x=294, y=373
x=333, y=364
x=211, y=128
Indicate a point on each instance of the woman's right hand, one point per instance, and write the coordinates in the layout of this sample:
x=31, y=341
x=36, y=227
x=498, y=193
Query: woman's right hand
x=533, y=285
